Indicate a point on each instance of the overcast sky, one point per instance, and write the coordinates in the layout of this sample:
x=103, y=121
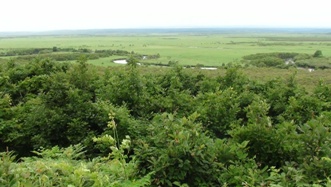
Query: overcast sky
x=45, y=15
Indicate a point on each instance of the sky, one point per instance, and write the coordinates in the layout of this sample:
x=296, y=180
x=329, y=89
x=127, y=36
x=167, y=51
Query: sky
x=46, y=15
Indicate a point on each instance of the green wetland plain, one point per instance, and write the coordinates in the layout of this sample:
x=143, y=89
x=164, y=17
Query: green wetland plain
x=189, y=48
x=192, y=107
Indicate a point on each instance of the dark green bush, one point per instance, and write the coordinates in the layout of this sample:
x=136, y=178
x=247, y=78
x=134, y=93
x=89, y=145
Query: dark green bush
x=186, y=127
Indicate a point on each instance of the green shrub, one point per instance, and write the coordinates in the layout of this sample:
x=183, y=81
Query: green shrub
x=218, y=111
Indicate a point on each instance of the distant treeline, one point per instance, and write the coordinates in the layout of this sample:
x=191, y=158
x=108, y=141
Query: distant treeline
x=68, y=54
x=34, y=51
x=285, y=60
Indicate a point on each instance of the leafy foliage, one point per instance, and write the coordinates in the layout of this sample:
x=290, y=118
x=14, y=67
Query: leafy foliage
x=318, y=53
x=178, y=127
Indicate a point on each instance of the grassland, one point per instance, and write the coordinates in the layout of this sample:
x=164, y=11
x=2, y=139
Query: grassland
x=192, y=49
x=187, y=49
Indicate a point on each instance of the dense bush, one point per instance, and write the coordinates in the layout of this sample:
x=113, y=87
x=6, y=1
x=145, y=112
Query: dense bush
x=179, y=127
x=66, y=167
x=270, y=59
x=285, y=60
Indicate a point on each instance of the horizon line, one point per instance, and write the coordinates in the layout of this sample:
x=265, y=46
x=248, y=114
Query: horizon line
x=164, y=28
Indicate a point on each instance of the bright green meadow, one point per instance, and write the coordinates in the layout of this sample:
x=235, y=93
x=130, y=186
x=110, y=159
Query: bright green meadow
x=187, y=49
